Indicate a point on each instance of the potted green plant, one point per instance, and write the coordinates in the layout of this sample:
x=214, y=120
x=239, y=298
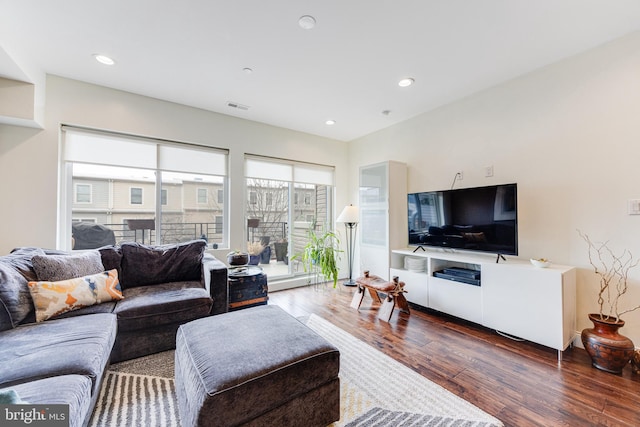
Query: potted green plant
x=609, y=350
x=321, y=254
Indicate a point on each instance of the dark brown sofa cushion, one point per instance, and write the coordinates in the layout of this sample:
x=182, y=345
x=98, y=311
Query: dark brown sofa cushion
x=112, y=258
x=149, y=265
x=162, y=304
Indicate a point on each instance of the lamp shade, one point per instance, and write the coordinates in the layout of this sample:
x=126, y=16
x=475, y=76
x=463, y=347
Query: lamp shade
x=349, y=215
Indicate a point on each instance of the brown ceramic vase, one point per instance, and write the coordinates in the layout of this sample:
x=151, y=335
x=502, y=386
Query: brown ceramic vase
x=609, y=350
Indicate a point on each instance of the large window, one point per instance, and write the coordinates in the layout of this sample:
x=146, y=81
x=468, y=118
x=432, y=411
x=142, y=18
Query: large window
x=140, y=189
x=282, y=226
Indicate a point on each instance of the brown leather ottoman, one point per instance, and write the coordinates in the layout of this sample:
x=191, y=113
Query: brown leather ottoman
x=257, y=367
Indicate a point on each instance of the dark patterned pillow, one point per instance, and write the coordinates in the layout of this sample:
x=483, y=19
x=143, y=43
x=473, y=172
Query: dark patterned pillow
x=53, y=268
x=112, y=258
x=150, y=265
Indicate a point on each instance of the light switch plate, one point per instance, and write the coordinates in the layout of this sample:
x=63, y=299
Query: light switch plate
x=634, y=206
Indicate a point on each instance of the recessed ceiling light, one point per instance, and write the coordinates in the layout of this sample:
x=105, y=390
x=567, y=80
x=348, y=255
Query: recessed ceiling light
x=330, y=122
x=103, y=59
x=407, y=81
x=307, y=22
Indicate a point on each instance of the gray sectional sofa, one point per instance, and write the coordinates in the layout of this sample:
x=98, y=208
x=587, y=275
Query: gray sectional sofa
x=62, y=360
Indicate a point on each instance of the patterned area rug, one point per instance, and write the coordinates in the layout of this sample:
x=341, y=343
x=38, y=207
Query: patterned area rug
x=371, y=380
x=136, y=400
x=384, y=417
x=375, y=391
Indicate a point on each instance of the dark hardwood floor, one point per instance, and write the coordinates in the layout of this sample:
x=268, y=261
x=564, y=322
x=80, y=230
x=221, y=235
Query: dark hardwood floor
x=521, y=383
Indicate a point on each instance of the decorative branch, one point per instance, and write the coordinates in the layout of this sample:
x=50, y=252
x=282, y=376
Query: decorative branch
x=613, y=271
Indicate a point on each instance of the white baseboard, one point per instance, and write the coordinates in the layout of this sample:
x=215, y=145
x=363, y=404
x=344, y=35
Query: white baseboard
x=577, y=340
x=294, y=282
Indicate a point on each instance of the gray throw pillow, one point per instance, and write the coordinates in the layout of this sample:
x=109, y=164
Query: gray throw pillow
x=53, y=268
x=15, y=300
x=16, y=270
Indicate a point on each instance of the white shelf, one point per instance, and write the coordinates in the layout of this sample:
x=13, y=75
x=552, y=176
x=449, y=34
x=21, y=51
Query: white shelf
x=415, y=285
x=514, y=297
x=457, y=299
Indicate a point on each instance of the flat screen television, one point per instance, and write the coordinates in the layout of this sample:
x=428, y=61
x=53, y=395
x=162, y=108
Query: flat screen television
x=481, y=219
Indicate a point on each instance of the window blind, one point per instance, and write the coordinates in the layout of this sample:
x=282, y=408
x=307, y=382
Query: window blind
x=282, y=170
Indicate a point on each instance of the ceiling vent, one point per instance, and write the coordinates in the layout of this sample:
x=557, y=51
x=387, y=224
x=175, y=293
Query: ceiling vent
x=237, y=105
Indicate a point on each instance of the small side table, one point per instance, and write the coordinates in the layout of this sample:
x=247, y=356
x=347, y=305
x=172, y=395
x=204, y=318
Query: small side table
x=247, y=287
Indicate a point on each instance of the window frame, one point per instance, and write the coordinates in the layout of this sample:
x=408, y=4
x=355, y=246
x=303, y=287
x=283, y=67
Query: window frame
x=265, y=174
x=89, y=220
x=199, y=191
x=75, y=193
x=131, y=188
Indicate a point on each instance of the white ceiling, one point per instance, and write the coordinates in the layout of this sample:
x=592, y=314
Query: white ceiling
x=346, y=68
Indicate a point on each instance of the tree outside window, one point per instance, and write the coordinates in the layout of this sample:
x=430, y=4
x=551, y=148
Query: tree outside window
x=275, y=196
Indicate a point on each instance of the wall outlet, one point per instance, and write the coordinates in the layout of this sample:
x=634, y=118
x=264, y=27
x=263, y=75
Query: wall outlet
x=488, y=171
x=459, y=175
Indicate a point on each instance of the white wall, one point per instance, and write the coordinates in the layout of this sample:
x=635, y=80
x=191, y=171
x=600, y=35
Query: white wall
x=568, y=134
x=29, y=157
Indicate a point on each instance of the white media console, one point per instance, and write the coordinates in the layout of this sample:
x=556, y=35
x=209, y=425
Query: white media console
x=514, y=297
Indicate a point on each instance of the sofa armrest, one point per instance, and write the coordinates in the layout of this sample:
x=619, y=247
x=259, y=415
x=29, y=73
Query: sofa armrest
x=214, y=272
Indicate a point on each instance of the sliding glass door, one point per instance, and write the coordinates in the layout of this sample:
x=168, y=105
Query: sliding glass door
x=285, y=200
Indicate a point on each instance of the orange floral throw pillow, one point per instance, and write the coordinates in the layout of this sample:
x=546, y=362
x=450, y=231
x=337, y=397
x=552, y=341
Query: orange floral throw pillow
x=54, y=298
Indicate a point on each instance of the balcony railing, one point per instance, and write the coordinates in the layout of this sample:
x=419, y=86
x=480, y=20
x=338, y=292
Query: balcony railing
x=143, y=231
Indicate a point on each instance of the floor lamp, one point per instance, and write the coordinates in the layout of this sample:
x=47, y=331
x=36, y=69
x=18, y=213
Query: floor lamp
x=350, y=217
